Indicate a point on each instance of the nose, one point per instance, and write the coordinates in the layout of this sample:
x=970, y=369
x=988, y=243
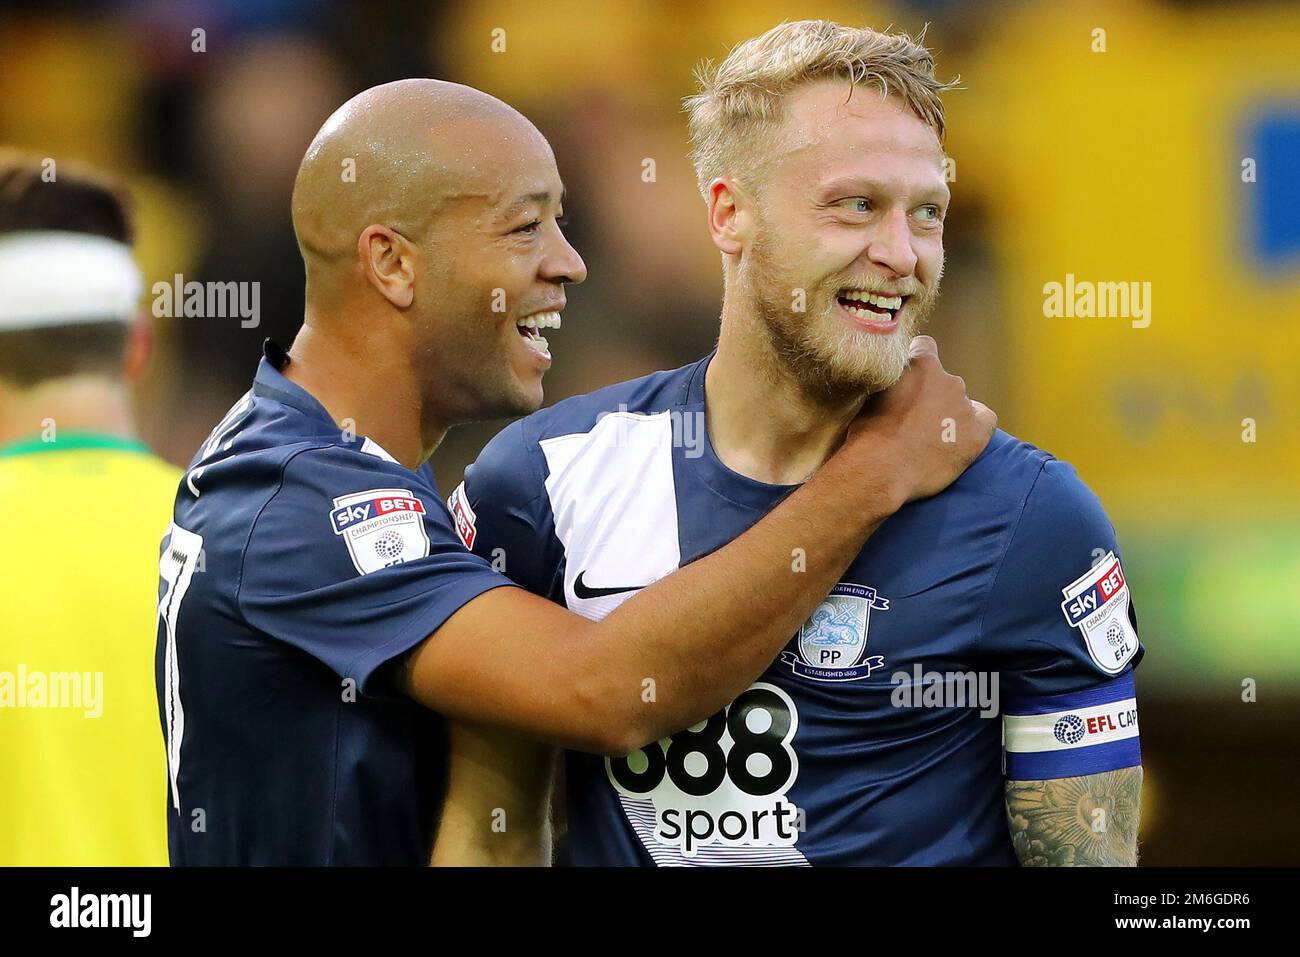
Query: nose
x=563, y=264
x=891, y=244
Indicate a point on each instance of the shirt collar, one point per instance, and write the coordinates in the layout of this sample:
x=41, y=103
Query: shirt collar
x=271, y=382
x=737, y=488
x=74, y=440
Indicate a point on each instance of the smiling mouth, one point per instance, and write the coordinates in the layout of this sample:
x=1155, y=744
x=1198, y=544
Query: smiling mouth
x=528, y=328
x=870, y=306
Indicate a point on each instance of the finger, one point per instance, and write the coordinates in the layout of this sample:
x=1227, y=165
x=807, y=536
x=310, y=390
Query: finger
x=987, y=417
x=923, y=346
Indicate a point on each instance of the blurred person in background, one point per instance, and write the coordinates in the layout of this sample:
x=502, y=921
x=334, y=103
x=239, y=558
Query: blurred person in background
x=84, y=502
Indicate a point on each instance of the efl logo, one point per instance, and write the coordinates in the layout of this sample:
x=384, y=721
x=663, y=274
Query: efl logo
x=349, y=515
x=1103, y=589
x=1071, y=729
x=1097, y=604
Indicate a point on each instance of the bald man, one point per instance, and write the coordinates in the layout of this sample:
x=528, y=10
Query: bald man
x=320, y=614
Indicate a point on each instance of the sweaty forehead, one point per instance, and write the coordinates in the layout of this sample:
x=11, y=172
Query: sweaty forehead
x=497, y=165
x=824, y=123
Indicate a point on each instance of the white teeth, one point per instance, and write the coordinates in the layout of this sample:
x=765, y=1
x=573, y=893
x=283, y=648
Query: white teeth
x=880, y=302
x=541, y=320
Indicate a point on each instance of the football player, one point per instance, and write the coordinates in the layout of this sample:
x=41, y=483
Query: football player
x=876, y=736
x=318, y=611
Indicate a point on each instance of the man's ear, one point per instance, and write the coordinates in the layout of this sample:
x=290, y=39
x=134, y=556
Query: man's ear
x=728, y=219
x=139, y=347
x=387, y=261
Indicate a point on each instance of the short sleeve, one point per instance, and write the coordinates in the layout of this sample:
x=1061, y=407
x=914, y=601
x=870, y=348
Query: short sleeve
x=503, y=514
x=1060, y=630
x=355, y=562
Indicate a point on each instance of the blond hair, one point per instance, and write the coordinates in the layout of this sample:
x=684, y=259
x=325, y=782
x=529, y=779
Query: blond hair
x=740, y=100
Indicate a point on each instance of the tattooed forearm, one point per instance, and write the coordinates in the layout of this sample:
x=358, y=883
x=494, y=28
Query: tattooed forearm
x=1089, y=821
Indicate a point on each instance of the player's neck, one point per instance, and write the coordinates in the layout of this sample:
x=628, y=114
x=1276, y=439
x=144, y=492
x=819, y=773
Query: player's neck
x=761, y=422
x=367, y=390
x=68, y=404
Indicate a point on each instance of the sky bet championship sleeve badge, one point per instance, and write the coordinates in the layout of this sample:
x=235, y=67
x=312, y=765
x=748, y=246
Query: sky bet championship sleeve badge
x=382, y=527
x=832, y=643
x=1097, y=604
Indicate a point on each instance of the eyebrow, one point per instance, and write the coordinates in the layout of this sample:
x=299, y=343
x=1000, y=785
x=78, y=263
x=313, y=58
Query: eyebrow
x=540, y=198
x=846, y=185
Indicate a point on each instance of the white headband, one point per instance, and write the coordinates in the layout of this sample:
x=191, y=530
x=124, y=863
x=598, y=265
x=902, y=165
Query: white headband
x=53, y=278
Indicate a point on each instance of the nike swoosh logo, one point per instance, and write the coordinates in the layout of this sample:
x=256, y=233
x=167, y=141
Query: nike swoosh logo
x=582, y=590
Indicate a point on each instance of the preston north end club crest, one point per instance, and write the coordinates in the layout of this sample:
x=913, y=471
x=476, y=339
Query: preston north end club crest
x=832, y=644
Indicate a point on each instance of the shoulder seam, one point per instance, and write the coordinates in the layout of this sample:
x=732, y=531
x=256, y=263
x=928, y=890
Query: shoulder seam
x=1006, y=550
x=252, y=527
x=532, y=449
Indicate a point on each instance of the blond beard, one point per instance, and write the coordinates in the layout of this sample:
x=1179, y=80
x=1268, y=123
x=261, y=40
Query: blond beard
x=827, y=357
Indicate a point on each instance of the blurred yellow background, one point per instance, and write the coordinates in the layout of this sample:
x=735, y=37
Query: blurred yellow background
x=1129, y=142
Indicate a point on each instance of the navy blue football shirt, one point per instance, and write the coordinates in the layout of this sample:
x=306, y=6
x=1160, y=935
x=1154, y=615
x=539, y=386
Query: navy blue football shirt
x=996, y=609
x=299, y=562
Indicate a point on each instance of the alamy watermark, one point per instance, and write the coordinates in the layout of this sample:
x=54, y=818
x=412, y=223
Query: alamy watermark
x=946, y=689
x=1085, y=299
x=74, y=909
x=82, y=690
x=179, y=299
x=688, y=429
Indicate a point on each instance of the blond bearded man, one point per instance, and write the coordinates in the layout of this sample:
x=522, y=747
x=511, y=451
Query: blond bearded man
x=876, y=735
